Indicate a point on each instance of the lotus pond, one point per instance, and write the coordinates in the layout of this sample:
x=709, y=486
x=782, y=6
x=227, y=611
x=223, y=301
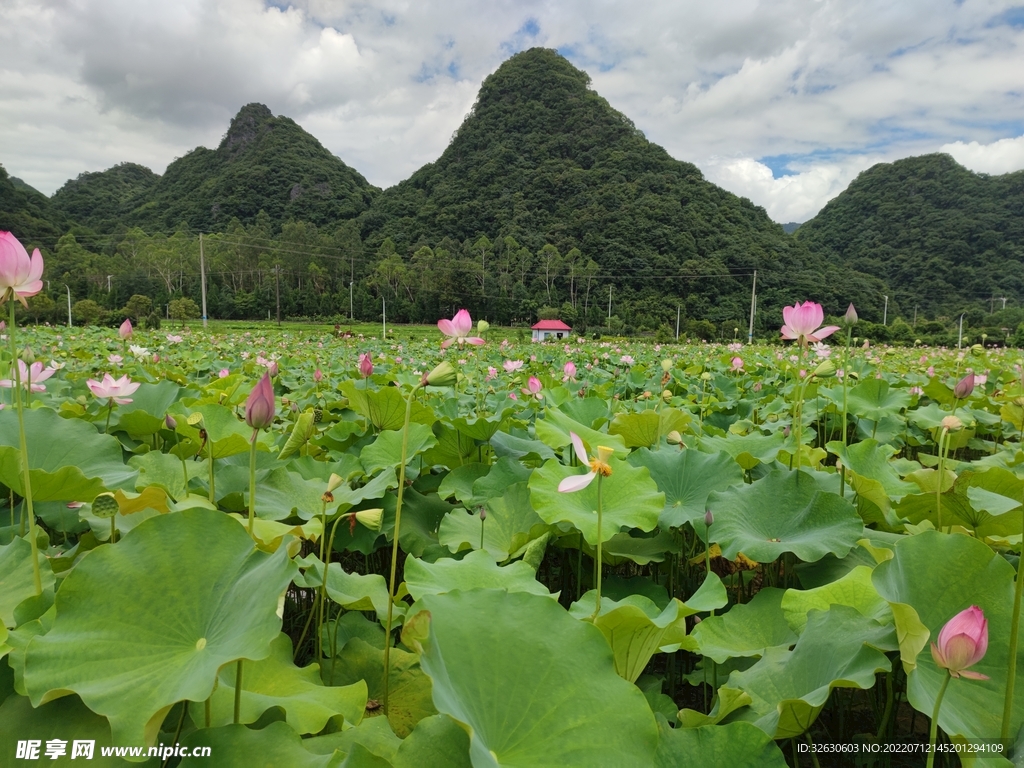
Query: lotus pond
x=588, y=553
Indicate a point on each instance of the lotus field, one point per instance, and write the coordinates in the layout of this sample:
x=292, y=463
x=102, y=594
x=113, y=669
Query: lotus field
x=298, y=549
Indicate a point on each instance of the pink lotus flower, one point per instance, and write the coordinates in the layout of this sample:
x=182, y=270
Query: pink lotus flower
x=125, y=331
x=569, y=371
x=962, y=643
x=511, y=366
x=492, y=373
x=737, y=365
x=533, y=388
x=31, y=376
x=115, y=359
x=458, y=329
x=259, y=407
x=272, y=368
x=20, y=276
x=802, y=323
x=598, y=466
x=964, y=387
x=223, y=373
x=318, y=376
x=113, y=389
x=366, y=365
x=173, y=338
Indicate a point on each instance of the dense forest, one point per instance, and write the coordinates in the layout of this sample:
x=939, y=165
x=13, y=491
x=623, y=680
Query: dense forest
x=546, y=201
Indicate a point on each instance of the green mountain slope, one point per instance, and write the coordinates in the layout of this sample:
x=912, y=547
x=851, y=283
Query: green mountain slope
x=941, y=236
x=263, y=163
x=102, y=200
x=28, y=213
x=544, y=159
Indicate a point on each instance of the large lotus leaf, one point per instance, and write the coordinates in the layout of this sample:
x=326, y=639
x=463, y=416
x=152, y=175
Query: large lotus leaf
x=687, y=478
x=854, y=589
x=748, y=450
x=421, y=518
x=560, y=701
x=279, y=492
x=737, y=745
x=783, y=512
x=476, y=570
x=436, y=742
x=747, y=629
x=386, y=451
x=373, y=735
x=513, y=447
x=269, y=534
x=276, y=682
x=638, y=430
x=555, y=427
x=452, y=449
x=874, y=399
x=459, y=482
x=995, y=497
x=629, y=498
x=227, y=434
x=504, y=473
x=235, y=746
x=931, y=578
x=840, y=648
x=482, y=427
x=355, y=591
x=17, y=582
x=347, y=497
x=164, y=471
x=303, y=429
x=144, y=415
x=68, y=460
x=67, y=719
x=384, y=407
x=635, y=628
x=409, y=698
x=131, y=647
x=623, y=547
x=870, y=460
x=510, y=525
x=351, y=624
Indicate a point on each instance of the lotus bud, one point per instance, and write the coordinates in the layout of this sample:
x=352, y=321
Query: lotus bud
x=370, y=518
x=666, y=395
x=964, y=387
x=977, y=349
x=482, y=326
x=851, y=315
x=365, y=365
x=705, y=376
x=666, y=365
x=318, y=376
x=443, y=375
x=272, y=368
x=333, y=482
x=483, y=513
x=674, y=438
x=28, y=356
x=170, y=423
x=709, y=518
x=825, y=369
x=962, y=643
x=125, y=331
x=259, y=407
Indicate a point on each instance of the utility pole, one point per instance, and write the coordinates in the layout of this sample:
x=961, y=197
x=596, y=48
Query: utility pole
x=69, y=305
x=108, y=283
x=277, y=290
x=960, y=337
x=609, y=302
x=753, y=302
x=885, y=312
x=1003, y=299
x=351, y=316
x=383, y=318
x=677, y=322
x=915, y=316
x=202, y=276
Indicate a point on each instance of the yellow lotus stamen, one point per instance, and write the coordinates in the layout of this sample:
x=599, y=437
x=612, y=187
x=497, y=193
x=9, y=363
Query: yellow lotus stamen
x=599, y=464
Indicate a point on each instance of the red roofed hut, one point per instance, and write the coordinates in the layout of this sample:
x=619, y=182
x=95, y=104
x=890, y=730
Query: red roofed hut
x=551, y=329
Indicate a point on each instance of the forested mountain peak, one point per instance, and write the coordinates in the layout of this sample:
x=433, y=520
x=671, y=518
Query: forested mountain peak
x=101, y=199
x=941, y=235
x=245, y=126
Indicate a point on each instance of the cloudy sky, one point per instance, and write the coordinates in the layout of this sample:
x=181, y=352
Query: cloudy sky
x=783, y=101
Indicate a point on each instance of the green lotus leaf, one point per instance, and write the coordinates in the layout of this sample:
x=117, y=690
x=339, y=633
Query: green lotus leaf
x=276, y=682
x=409, y=699
x=932, y=577
x=839, y=648
x=280, y=493
x=227, y=434
x=729, y=700
x=68, y=460
x=373, y=736
x=355, y=591
x=421, y=517
x=748, y=450
x=641, y=429
x=436, y=742
x=737, y=745
x=452, y=449
x=623, y=547
x=635, y=629
x=336, y=632
x=67, y=719
x=591, y=411
x=481, y=427
x=17, y=582
x=300, y=434
x=854, y=589
x=144, y=415
x=747, y=629
x=384, y=407
x=386, y=451
x=235, y=746
x=560, y=701
x=874, y=399
x=270, y=534
x=459, y=482
x=504, y=473
x=629, y=498
x=687, y=478
x=870, y=460
x=555, y=427
x=511, y=524
x=995, y=498
x=513, y=447
x=476, y=570
x=783, y=512
x=130, y=647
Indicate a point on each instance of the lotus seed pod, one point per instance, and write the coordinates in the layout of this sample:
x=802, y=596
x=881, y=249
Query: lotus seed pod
x=105, y=505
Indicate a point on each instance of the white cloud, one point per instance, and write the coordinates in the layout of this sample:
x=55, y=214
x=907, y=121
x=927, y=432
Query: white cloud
x=832, y=85
x=1003, y=156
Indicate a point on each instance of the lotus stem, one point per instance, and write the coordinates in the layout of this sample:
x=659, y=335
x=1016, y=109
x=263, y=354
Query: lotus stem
x=1011, y=665
x=252, y=479
x=846, y=377
x=933, y=730
x=209, y=454
x=394, y=546
x=323, y=584
x=25, y=477
x=798, y=411
x=600, y=548
x=238, y=692
x=943, y=441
